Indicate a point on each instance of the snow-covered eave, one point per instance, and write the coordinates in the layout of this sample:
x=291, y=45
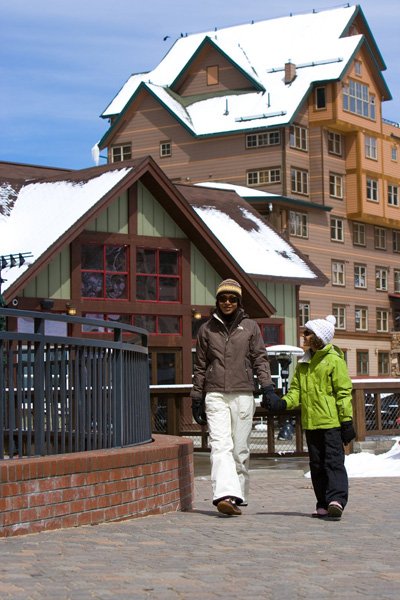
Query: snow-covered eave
x=318, y=279
x=207, y=40
x=27, y=272
x=137, y=78
x=143, y=87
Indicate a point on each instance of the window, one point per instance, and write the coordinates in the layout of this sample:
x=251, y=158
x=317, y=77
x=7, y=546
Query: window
x=337, y=233
x=394, y=153
x=258, y=140
x=298, y=224
x=336, y=186
x=380, y=238
x=370, y=147
x=299, y=181
x=104, y=272
x=339, y=311
x=396, y=278
x=381, y=279
x=357, y=67
x=212, y=75
x=334, y=143
x=272, y=332
x=304, y=313
x=94, y=329
x=298, y=137
x=362, y=362
x=263, y=176
x=396, y=240
x=119, y=153
x=358, y=100
x=159, y=324
x=372, y=190
x=393, y=195
x=382, y=320
x=165, y=149
x=158, y=275
x=359, y=234
x=383, y=363
x=360, y=276
x=320, y=97
x=361, y=318
x=338, y=273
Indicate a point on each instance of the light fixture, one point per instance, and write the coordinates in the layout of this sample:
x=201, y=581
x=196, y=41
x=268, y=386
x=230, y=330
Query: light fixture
x=47, y=303
x=196, y=314
x=71, y=310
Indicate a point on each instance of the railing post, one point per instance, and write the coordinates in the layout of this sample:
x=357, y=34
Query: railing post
x=359, y=414
x=38, y=386
x=118, y=389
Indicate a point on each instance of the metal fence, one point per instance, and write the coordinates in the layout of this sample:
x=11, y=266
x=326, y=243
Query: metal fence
x=65, y=393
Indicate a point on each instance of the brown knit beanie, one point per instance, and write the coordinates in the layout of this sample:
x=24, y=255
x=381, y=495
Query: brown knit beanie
x=229, y=286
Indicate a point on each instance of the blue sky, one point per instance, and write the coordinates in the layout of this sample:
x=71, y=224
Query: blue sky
x=61, y=63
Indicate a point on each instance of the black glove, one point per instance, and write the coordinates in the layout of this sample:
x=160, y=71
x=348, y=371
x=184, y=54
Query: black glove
x=347, y=432
x=271, y=401
x=199, y=411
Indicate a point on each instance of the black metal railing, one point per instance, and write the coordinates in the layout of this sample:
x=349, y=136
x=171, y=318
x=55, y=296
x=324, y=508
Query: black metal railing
x=62, y=393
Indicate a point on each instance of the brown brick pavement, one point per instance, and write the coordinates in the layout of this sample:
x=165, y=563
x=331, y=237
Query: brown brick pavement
x=273, y=551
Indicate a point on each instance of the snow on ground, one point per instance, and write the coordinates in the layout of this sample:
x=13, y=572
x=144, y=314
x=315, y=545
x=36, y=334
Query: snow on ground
x=363, y=464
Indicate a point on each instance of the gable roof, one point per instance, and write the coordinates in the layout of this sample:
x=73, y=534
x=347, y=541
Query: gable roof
x=319, y=44
x=44, y=216
x=259, y=249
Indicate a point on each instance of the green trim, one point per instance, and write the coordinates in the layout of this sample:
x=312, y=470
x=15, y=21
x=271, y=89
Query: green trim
x=286, y=200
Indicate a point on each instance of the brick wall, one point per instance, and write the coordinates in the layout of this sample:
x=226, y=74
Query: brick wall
x=52, y=492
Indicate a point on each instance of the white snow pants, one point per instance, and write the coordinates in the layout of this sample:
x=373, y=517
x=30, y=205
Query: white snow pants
x=230, y=420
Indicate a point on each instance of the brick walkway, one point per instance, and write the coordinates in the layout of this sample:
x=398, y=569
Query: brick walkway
x=273, y=551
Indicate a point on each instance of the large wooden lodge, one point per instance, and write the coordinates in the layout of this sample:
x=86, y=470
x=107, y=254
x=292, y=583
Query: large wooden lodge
x=290, y=109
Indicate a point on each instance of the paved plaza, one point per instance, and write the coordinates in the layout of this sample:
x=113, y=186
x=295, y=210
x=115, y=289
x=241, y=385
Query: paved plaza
x=275, y=550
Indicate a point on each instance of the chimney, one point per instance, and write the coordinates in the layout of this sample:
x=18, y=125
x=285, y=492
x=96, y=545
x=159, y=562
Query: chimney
x=290, y=72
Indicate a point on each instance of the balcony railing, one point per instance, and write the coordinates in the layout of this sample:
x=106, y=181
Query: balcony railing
x=62, y=393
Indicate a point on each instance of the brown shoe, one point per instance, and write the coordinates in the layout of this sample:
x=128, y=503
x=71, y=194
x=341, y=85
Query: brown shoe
x=228, y=506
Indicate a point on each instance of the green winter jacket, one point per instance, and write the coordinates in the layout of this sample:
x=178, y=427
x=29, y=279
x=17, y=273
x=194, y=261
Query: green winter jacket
x=321, y=386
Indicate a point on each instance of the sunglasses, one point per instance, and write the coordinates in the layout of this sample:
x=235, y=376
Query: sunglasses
x=230, y=299
x=307, y=333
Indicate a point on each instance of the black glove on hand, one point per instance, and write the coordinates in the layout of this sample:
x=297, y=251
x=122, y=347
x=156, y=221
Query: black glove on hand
x=271, y=401
x=347, y=432
x=199, y=411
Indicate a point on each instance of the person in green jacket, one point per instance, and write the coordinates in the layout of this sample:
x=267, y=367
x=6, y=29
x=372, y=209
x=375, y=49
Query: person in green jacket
x=322, y=388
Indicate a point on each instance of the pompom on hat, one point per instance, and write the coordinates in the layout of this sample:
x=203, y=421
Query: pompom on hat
x=324, y=329
x=229, y=286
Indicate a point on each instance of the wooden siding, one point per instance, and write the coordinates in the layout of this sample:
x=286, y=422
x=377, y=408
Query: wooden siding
x=194, y=80
x=53, y=281
x=114, y=219
x=204, y=279
x=283, y=298
x=152, y=219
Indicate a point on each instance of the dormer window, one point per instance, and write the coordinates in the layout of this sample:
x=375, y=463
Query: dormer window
x=212, y=75
x=320, y=97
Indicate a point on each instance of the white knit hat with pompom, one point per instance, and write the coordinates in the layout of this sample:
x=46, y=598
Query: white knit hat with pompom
x=324, y=329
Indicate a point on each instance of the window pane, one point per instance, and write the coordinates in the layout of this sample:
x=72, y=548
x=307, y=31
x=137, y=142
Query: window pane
x=92, y=285
x=116, y=258
x=92, y=257
x=168, y=324
x=146, y=322
x=145, y=261
x=169, y=289
x=116, y=286
x=146, y=288
x=168, y=263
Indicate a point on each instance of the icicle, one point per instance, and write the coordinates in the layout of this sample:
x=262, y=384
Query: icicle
x=96, y=154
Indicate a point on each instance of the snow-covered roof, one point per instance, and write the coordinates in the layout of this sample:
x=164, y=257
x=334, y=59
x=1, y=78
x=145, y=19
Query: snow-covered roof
x=260, y=50
x=260, y=250
x=33, y=217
